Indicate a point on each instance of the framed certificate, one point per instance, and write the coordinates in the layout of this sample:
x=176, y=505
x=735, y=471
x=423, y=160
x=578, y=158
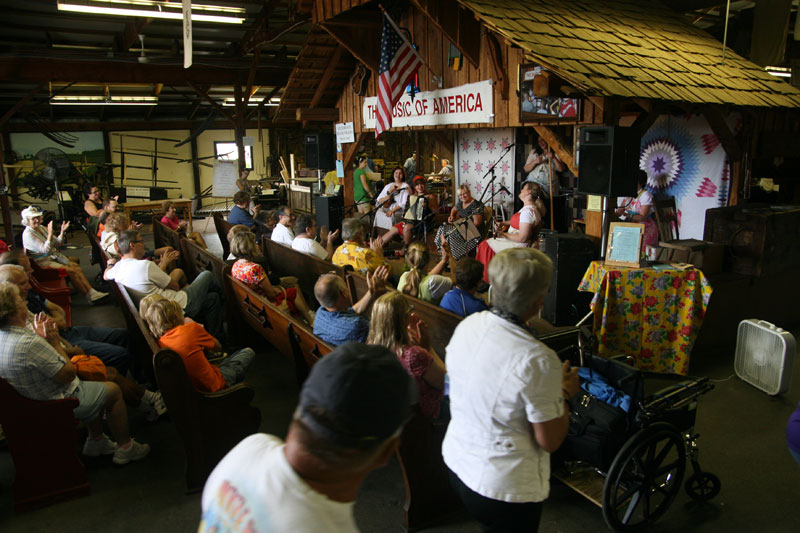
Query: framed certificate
x=624, y=244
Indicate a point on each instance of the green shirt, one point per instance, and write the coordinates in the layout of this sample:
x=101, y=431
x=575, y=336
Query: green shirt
x=359, y=194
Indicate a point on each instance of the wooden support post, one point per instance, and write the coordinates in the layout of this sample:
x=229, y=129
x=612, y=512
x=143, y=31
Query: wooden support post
x=8, y=227
x=238, y=125
x=196, y=171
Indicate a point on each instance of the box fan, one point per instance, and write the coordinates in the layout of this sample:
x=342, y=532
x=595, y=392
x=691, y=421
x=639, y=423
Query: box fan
x=764, y=356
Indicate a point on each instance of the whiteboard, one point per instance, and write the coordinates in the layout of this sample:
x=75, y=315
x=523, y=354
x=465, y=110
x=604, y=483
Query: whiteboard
x=225, y=175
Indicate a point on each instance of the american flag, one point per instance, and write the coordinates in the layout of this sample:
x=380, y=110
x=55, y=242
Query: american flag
x=399, y=63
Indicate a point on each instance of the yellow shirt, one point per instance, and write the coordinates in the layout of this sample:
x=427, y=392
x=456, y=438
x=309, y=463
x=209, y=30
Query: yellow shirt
x=362, y=259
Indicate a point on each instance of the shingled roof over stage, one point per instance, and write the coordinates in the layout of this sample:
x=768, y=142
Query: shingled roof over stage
x=632, y=49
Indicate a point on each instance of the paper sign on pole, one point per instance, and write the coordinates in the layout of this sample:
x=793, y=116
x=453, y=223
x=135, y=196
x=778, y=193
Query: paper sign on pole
x=345, y=133
x=187, y=33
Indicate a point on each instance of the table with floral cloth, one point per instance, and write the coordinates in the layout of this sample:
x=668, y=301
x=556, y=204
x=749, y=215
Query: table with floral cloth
x=652, y=314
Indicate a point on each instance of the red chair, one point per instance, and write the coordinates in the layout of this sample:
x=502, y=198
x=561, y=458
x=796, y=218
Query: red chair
x=42, y=438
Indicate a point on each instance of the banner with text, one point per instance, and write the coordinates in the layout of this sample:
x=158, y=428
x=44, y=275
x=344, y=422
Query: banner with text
x=465, y=104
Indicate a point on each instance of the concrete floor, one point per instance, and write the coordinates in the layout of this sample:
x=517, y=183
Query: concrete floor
x=742, y=441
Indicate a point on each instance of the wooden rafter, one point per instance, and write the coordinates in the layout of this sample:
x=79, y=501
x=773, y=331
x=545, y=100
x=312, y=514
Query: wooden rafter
x=720, y=128
x=24, y=100
x=204, y=95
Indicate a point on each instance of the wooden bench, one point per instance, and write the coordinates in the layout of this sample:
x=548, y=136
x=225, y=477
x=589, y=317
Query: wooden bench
x=197, y=259
x=441, y=323
x=285, y=261
x=223, y=227
x=210, y=424
x=163, y=235
x=429, y=496
x=289, y=336
x=42, y=438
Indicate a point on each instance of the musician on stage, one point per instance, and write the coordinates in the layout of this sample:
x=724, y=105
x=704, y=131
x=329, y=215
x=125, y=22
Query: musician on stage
x=362, y=189
x=446, y=171
x=418, y=216
x=242, y=183
x=464, y=225
x=392, y=200
x=538, y=168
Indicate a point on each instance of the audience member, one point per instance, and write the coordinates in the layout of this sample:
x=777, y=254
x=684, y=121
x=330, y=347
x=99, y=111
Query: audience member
x=43, y=247
x=461, y=299
x=506, y=387
x=348, y=422
x=189, y=339
x=432, y=286
x=201, y=300
x=239, y=213
x=171, y=220
x=282, y=232
x=36, y=366
x=353, y=252
x=337, y=322
x=109, y=344
x=248, y=271
x=305, y=229
x=394, y=326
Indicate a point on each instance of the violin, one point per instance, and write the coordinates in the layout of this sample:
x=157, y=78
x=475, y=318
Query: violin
x=387, y=202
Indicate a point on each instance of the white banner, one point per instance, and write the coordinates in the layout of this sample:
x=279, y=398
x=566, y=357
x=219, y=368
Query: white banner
x=187, y=33
x=466, y=104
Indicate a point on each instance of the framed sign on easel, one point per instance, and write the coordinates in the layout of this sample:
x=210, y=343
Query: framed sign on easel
x=624, y=244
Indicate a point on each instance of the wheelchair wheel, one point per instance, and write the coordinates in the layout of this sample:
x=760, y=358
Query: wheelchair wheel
x=702, y=486
x=644, y=478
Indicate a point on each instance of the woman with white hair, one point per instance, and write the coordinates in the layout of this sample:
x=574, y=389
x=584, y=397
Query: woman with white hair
x=43, y=247
x=508, y=395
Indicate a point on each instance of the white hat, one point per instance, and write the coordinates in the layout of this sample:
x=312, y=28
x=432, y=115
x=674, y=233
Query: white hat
x=29, y=213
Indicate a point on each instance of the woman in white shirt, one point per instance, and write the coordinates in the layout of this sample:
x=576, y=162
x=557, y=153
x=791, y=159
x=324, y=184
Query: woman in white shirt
x=42, y=246
x=392, y=200
x=507, y=399
x=640, y=210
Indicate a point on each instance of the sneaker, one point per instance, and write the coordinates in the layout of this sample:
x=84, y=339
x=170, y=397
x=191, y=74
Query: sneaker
x=95, y=295
x=134, y=452
x=101, y=446
x=155, y=408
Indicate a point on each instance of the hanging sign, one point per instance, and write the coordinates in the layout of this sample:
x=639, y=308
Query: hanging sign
x=187, y=33
x=345, y=133
x=466, y=104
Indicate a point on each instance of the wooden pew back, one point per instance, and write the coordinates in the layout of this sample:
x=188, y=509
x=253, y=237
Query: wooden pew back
x=307, y=349
x=441, y=323
x=166, y=236
x=285, y=261
x=141, y=341
x=223, y=226
x=41, y=437
x=197, y=259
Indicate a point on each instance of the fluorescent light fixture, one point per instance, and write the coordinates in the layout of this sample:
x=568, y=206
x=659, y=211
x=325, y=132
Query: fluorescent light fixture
x=103, y=100
x=781, y=72
x=155, y=9
x=231, y=102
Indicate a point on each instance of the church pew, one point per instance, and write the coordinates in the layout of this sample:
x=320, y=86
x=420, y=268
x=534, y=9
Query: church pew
x=42, y=438
x=285, y=261
x=441, y=323
x=197, y=259
x=429, y=496
x=307, y=349
x=140, y=342
x=223, y=227
x=210, y=424
x=166, y=236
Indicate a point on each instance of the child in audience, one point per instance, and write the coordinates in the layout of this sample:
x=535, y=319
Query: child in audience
x=431, y=286
x=461, y=299
x=171, y=220
x=189, y=339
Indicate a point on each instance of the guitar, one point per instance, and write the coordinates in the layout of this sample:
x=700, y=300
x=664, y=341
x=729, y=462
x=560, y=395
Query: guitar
x=359, y=79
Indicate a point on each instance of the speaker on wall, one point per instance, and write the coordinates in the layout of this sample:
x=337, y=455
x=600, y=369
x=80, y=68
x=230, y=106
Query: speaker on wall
x=320, y=151
x=571, y=254
x=609, y=160
x=328, y=211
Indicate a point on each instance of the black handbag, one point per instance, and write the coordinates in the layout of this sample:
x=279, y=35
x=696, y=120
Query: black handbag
x=596, y=432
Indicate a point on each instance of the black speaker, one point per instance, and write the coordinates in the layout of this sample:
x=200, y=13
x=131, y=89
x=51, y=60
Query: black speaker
x=571, y=254
x=609, y=160
x=320, y=152
x=328, y=210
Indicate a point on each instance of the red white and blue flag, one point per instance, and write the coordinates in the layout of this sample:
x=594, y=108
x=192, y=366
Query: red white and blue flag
x=399, y=63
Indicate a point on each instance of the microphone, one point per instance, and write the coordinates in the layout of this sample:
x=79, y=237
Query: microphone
x=435, y=156
x=503, y=188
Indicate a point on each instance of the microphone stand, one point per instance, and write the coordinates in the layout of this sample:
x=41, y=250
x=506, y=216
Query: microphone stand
x=491, y=180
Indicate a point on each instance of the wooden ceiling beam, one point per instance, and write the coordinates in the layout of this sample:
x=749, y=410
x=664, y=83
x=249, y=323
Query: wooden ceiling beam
x=24, y=100
x=317, y=114
x=204, y=95
x=457, y=23
x=364, y=44
x=43, y=69
x=121, y=125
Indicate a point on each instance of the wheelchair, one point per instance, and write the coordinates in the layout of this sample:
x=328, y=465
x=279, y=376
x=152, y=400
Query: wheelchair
x=641, y=468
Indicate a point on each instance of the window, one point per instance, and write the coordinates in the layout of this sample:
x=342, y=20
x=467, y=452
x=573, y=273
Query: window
x=227, y=151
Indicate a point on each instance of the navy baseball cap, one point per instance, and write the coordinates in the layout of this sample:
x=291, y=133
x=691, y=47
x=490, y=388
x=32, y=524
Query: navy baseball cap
x=357, y=395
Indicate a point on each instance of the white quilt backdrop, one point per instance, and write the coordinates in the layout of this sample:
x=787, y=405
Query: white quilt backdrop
x=475, y=152
x=683, y=158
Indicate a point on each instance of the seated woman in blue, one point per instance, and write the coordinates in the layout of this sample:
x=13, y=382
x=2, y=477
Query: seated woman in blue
x=461, y=299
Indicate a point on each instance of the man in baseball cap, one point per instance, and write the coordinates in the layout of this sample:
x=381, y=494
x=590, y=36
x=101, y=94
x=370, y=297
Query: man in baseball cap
x=348, y=422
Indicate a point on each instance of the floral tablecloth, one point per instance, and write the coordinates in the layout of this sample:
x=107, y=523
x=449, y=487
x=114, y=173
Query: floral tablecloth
x=652, y=315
